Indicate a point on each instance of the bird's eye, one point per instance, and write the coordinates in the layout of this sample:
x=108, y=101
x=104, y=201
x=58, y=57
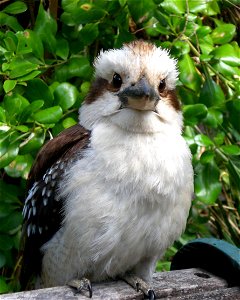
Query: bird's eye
x=162, y=85
x=117, y=81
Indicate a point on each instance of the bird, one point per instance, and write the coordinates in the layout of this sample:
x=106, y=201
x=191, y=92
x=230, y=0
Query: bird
x=107, y=196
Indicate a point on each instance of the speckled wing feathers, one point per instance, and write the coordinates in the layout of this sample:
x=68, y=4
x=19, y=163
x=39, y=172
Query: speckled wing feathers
x=43, y=208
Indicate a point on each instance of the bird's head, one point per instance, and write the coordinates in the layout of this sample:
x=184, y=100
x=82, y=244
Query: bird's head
x=134, y=88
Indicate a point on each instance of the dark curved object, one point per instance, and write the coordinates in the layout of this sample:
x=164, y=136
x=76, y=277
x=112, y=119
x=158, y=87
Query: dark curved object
x=216, y=256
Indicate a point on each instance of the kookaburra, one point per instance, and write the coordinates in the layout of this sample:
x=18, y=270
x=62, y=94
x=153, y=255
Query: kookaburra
x=109, y=195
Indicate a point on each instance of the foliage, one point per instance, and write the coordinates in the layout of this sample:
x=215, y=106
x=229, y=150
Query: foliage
x=46, y=71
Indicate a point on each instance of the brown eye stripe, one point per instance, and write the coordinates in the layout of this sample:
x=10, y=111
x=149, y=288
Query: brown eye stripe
x=171, y=97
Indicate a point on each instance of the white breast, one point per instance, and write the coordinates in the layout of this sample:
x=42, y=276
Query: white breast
x=128, y=198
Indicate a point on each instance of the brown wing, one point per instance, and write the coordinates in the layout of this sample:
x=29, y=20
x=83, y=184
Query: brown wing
x=43, y=208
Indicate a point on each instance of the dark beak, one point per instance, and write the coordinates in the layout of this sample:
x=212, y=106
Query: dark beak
x=140, y=96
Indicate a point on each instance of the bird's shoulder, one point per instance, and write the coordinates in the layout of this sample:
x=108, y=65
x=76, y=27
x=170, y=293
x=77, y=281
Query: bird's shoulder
x=67, y=142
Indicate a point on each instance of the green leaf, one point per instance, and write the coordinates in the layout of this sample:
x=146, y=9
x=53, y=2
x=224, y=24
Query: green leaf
x=223, y=33
x=20, y=67
x=15, y=8
x=62, y=48
x=29, y=76
x=68, y=122
x=173, y=6
x=180, y=48
x=207, y=185
x=46, y=28
x=203, y=140
x=10, y=223
x=207, y=157
x=35, y=43
x=2, y=115
x=88, y=34
x=188, y=74
x=194, y=113
x=234, y=112
x=38, y=89
x=211, y=94
x=206, y=44
x=30, y=109
x=202, y=31
x=141, y=10
x=6, y=242
x=76, y=67
x=33, y=142
x=49, y=115
x=3, y=285
x=9, y=85
x=214, y=118
x=10, y=155
x=227, y=54
x=197, y=6
x=9, y=21
x=14, y=105
x=20, y=166
x=86, y=13
x=85, y=86
x=230, y=149
x=226, y=69
x=66, y=95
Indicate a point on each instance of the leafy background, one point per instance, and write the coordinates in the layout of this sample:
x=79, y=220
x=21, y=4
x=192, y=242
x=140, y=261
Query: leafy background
x=46, y=54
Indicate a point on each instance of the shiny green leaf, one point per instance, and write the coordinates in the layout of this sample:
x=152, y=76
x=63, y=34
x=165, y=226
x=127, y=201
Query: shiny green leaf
x=195, y=112
x=30, y=109
x=141, y=10
x=207, y=185
x=10, y=223
x=88, y=34
x=173, y=6
x=65, y=95
x=85, y=86
x=49, y=115
x=68, y=122
x=21, y=67
x=62, y=48
x=226, y=69
x=188, y=74
x=46, y=27
x=28, y=77
x=9, y=85
x=227, y=54
x=15, y=8
x=35, y=43
x=38, y=89
x=230, y=149
x=76, y=67
x=20, y=166
x=223, y=33
x=207, y=157
x=197, y=6
x=234, y=112
x=202, y=31
x=14, y=105
x=203, y=140
x=33, y=142
x=10, y=21
x=76, y=13
x=2, y=115
x=214, y=118
x=211, y=94
x=10, y=155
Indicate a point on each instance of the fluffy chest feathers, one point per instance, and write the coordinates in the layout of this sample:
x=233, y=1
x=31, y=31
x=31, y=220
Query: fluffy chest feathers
x=123, y=196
